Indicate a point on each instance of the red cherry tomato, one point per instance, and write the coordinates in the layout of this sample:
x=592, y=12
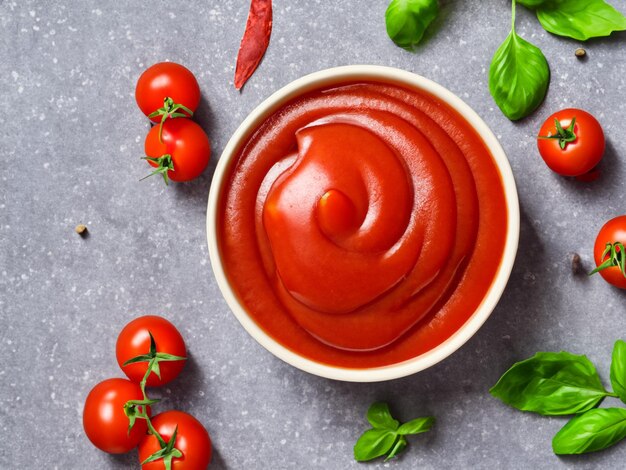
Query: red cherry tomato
x=163, y=80
x=134, y=340
x=614, y=231
x=192, y=440
x=571, y=150
x=104, y=420
x=186, y=144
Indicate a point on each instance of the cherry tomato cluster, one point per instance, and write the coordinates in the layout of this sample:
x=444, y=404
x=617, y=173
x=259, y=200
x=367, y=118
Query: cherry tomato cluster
x=117, y=416
x=178, y=149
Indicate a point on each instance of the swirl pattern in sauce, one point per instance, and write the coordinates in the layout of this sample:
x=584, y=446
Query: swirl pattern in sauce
x=362, y=224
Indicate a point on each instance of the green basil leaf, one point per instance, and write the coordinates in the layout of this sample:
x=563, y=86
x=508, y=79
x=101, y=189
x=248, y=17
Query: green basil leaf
x=533, y=3
x=518, y=77
x=398, y=447
x=380, y=417
x=618, y=369
x=551, y=384
x=374, y=443
x=407, y=20
x=580, y=19
x=416, y=426
x=592, y=431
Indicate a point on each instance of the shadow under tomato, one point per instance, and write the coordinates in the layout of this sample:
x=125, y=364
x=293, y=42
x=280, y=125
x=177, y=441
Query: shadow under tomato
x=217, y=462
x=205, y=117
x=607, y=176
x=615, y=290
x=197, y=190
x=189, y=386
x=128, y=460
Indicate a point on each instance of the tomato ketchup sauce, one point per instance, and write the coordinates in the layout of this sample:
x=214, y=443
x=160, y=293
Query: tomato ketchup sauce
x=362, y=224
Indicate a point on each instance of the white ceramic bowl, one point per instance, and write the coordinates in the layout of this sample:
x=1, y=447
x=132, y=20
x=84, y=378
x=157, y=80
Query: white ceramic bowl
x=356, y=73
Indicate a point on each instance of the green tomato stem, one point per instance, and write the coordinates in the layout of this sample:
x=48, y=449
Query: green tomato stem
x=164, y=165
x=170, y=110
x=564, y=136
x=167, y=451
x=616, y=258
x=142, y=384
x=162, y=442
x=152, y=363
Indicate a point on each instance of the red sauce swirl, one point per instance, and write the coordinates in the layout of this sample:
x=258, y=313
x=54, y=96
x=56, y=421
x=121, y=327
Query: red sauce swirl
x=362, y=224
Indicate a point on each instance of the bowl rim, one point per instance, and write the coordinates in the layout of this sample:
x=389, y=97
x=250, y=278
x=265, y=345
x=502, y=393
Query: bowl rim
x=489, y=302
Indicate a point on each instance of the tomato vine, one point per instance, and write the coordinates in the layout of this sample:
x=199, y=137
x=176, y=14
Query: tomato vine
x=139, y=408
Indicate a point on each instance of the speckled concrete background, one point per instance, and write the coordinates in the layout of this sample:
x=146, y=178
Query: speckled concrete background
x=71, y=141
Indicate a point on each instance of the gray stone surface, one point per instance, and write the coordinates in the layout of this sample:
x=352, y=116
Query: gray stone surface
x=71, y=141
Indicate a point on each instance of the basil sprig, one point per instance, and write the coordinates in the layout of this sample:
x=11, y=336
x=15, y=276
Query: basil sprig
x=518, y=76
x=577, y=19
x=387, y=436
x=562, y=383
x=407, y=20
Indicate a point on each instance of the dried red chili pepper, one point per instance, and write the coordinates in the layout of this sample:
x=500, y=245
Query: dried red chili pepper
x=255, y=40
